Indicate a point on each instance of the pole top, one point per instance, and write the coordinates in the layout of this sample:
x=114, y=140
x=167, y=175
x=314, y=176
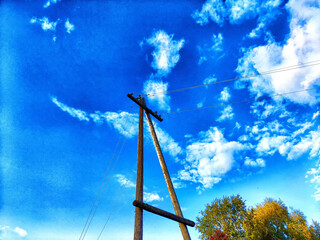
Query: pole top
x=143, y=105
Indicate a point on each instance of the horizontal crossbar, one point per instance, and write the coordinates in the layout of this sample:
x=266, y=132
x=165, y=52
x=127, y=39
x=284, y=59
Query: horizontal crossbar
x=158, y=117
x=163, y=213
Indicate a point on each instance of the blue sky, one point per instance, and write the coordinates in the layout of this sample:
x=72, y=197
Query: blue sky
x=67, y=66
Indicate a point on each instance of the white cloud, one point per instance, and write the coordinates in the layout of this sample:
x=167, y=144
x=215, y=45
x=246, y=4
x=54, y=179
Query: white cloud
x=49, y=2
x=167, y=143
x=151, y=197
x=237, y=125
x=21, y=232
x=210, y=79
x=269, y=11
x=123, y=181
x=264, y=109
x=259, y=162
x=226, y=114
x=45, y=23
x=76, y=113
x=166, y=52
x=269, y=145
x=200, y=104
x=214, y=10
x=7, y=232
x=156, y=93
x=314, y=174
x=214, y=50
x=209, y=158
x=125, y=123
x=237, y=11
x=177, y=184
x=240, y=10
x=315, y=115
x=295, y=149
x=69, y=26
x=225, y=95
x=301, y=46
x=305, y=126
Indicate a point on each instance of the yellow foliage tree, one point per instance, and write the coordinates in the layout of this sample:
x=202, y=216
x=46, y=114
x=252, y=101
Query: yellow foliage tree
x=267, y=221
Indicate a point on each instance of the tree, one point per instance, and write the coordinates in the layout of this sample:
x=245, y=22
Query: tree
x=268, y=221
x=219, y=235
x=228, y=218
x=226, y=214
x=314, y=230
x=298, y=227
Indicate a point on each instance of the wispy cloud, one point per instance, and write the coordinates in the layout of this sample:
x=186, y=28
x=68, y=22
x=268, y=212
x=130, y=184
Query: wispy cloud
x=69, y=26
x=226, y=114
x=314, y=175
x=210, y=79
x=259, y=162
x=125, y=123
x=76, y=113
x=147, y=196
x=156, y=90
x=213, y=50
x=165, y=57
x=123, y=181
x=45, y=23
x=50, y=2
x=315, y=115
x=213, y=10
x=7, y=232
x=236, y=12
x=225, y=95
x=166, y=51
x=167, y=143
x=151, y=197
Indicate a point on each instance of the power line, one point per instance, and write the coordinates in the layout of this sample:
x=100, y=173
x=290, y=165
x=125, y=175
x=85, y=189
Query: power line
x=241, y=101
x=293, y=67
x=85, y=226
x=116, y=203
x=105, y=187
x=94, y=206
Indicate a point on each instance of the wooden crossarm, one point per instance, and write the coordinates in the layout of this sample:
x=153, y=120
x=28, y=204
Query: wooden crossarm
x=158, y=117
x=162, y=213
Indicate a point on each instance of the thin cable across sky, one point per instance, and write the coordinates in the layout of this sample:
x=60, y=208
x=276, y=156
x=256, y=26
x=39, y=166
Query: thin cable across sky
x=283, y=69
x=242, y=101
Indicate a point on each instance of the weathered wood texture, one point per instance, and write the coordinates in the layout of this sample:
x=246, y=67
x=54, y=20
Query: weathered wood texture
x=167, y=178
x=162, y=213
x=138, y=221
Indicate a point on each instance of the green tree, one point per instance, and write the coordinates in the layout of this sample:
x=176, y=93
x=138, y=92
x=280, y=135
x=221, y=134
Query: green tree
x=226, y=214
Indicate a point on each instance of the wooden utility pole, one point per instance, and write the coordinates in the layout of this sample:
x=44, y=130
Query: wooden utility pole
x=138, y=227
x=138, y=203
x=166, y=175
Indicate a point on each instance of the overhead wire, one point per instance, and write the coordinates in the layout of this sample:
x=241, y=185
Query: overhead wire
x=105, y=187
x=94, y=206
x=283, y=69
x=101, y=185
x=119, y=197
x=116, y=203
x=241, y=101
